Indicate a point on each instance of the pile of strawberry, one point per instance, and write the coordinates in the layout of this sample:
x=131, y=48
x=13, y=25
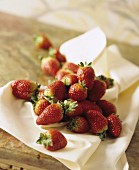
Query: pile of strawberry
x=74, y=97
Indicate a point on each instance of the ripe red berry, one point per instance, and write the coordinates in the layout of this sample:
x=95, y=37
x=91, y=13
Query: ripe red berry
x=114, y=125
x=77, y=92
x=61, y=73
x=78, y=124
x=98, y=123
x=51, y=114
x=50, y=66
x=70, y=66
x=42, y=42
x=55, y=91
x=89, y=105
x=97, y=91
x=25, y=89
x=52, y=140
x=70, y=79
x=86, y=74
x=40, y=105
x=107, y=107
x=56, y=53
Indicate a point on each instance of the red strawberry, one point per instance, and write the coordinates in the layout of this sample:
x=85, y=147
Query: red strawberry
x=25, y=89
x=56, y=91
x=114, y=125
x=69, y=79
x=86, y=74
x=72, y=108
x=56, y=53
x=88, y=105
x=77, y=92
x=40, y=105
x=71, y=66
x=42, y=42
x=107, y=107
x=52, y=140
x=61, y=73
x=97, y=91
x=51, y=114
x=98, y=123
x=78, y=124
x=50, y=66
x=109, y=81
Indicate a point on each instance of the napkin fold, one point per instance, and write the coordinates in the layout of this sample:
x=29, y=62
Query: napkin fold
x=84, y=151
x=86, y=47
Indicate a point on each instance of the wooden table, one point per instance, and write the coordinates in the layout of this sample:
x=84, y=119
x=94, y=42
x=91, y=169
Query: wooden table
x=19, y=60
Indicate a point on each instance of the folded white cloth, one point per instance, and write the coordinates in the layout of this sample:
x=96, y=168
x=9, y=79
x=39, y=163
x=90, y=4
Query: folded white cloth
x=84, y=151
x=85, y=47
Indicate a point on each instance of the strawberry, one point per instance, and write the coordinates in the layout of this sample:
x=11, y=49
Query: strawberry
x=42, y=42
x=86, y=74
x=61, y=73
x=114, y=125
x=56, y=53
x=78, y=124
x=69, y=79
x=51, y=114
x=40, y=105
x=88, y=105
x=107, y=107
x=98, y=123
x=25, y=89
x=109, y=81
x=52, y=140
x=70, y=66
x=50, y=65
x=77, y=92
x=97, y=91
x=55, y=91
x=72, y=108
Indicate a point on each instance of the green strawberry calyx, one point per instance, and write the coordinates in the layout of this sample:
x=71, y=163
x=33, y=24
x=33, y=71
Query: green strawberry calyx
x=52, y=51
x=45, y=139
x=82, y=83
x=108, y=79
x=69, y=106
x=102, y=135
x=34, y=97
x=85, y=64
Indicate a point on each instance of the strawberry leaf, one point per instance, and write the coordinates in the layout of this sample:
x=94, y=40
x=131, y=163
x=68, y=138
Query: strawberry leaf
x=52, y=51
x=85, y=64
x=45, y=140
x=102, y=135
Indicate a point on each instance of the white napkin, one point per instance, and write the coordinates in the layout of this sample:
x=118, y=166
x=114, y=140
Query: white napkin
x=85, y=47
x=84, y=151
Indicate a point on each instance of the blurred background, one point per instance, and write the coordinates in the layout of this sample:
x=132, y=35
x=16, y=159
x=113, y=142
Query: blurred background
x=118, y=18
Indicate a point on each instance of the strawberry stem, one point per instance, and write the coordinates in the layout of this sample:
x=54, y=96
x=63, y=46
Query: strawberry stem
x=102, y=135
